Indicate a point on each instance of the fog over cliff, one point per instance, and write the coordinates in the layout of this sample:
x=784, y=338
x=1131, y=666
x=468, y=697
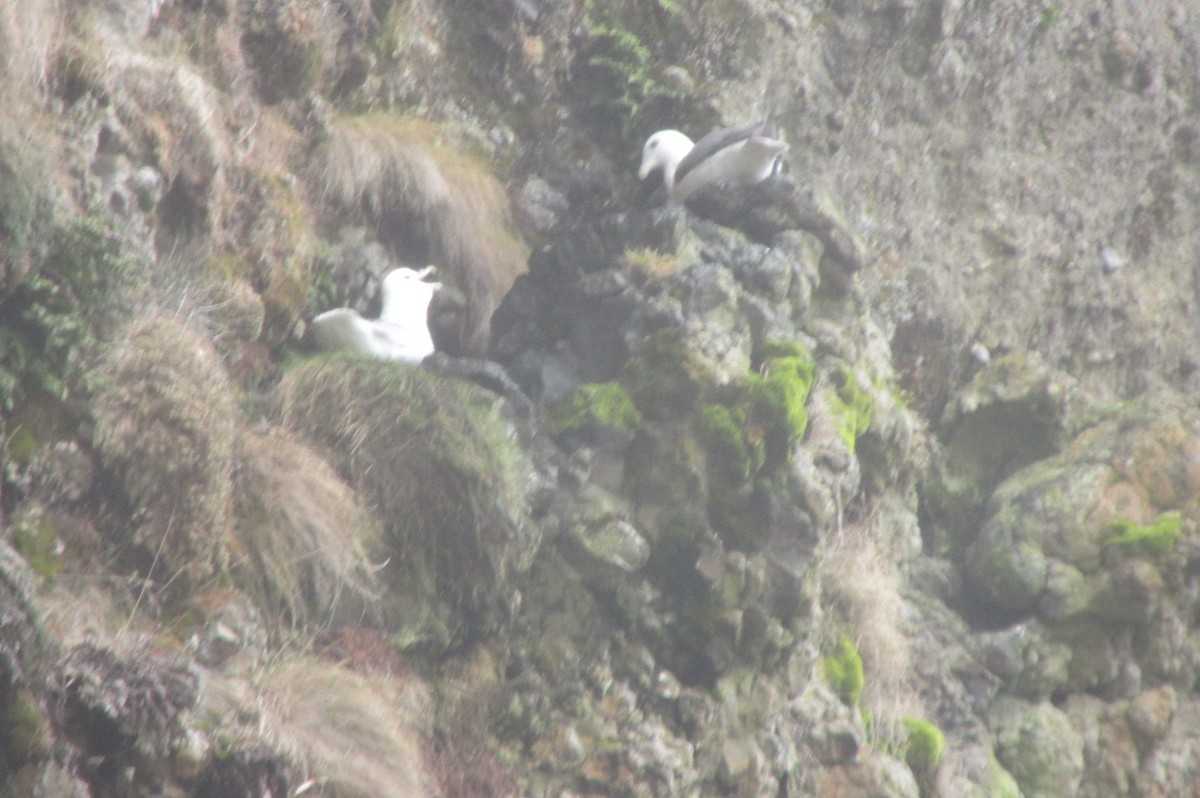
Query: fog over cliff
x=880, y=477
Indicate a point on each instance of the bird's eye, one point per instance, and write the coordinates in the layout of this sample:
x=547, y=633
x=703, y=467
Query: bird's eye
x=653, y=144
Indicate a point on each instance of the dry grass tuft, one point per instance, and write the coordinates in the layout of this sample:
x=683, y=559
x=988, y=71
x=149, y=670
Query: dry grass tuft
x=166, y=423
x=302, y=535
x=29, y=31
x=353, y=736
x=440, y=469
x=861, y=590
x=429, y=202
x=650, y=262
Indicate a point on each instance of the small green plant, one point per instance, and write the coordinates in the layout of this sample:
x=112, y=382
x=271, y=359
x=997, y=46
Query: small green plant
x=50, y=323
x=844, y=672
x=925, y=747
x=615, y=70
x=1156, y=538
x=604, y=403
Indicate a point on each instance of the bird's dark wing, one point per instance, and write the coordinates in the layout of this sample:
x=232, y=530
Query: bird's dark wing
x=715, y=141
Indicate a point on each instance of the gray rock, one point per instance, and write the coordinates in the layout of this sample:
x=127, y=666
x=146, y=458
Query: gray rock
x=541, y=205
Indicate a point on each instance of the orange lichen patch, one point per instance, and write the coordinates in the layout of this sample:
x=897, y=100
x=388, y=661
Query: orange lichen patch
x=1121, y=500
x=1164, y=461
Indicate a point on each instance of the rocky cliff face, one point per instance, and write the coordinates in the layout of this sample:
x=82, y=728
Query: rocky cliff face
x=879, y=478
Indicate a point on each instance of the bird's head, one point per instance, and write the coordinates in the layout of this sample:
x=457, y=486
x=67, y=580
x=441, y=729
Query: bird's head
x=406, y=293
x=664, y=150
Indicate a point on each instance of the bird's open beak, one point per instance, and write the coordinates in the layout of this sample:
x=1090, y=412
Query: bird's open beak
x=428, y=271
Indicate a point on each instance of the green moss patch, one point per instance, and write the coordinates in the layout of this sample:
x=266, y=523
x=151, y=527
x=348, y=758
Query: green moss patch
x=734, y=456
x=35, y=537
x=844, y=672
x=851, y=407
x=1156, y=538
x=926, y=745
x=605, y=404
x=777, y=396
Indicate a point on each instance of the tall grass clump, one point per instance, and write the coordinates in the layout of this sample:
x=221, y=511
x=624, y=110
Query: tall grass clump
x=440, y=469
x=303, y=541
x=165, y=429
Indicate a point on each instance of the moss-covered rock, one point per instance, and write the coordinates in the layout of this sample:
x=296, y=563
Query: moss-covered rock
x=664, y=376
x=1082, y=532
x=1156, y=538
x=1037, y=744
x=733, y=456
x=602, y=545
x=439, y=464
x=605, y=404
x=748, y=437
x=851, y=406
x=777, y=397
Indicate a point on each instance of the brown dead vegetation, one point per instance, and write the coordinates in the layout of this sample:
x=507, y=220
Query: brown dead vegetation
x=861, y=586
